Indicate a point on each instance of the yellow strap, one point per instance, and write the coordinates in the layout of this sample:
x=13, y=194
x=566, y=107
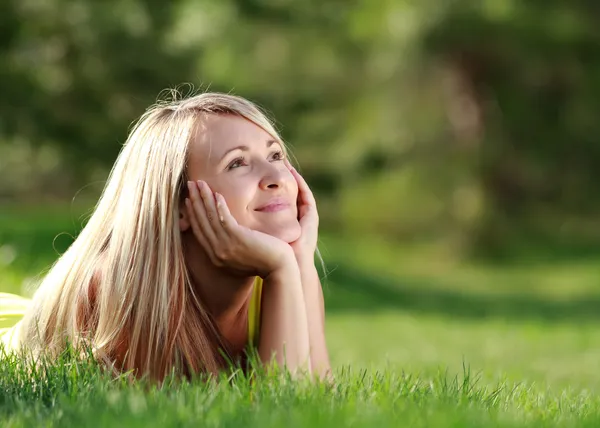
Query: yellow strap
x=254, y=312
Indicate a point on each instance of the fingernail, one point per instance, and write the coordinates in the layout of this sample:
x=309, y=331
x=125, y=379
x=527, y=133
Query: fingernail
x=200, y=184
x=190, y=184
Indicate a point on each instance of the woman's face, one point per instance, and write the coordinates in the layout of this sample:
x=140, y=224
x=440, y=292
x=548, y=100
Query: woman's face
x=244, y=163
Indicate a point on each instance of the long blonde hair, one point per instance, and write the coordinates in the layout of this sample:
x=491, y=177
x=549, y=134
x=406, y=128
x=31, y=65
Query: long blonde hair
x=123, y=285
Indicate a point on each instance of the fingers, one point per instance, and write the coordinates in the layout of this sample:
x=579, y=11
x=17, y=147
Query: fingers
x=201, y=216
x=209, y=203
x=305, y=194
x=212, y=213
x=198, y=233
x=226, y=220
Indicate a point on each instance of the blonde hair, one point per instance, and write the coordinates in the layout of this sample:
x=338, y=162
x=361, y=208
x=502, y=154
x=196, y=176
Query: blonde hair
x=123, y=286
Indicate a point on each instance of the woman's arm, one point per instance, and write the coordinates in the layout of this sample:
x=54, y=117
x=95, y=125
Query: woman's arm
x=284, y=332
x=304, y=251
x=315, y=313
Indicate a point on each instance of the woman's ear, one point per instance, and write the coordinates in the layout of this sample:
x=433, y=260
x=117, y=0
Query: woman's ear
x=184, y=220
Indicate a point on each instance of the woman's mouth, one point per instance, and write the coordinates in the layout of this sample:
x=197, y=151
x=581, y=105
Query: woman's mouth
x=274, y=205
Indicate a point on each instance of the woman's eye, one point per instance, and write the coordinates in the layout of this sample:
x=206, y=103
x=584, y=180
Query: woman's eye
x=236, y=163
x=278, y=156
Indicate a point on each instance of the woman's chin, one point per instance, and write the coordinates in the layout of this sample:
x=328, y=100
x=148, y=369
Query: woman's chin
x=287, y=234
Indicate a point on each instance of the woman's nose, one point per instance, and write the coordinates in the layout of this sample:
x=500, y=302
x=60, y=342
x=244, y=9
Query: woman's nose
x=273, y=178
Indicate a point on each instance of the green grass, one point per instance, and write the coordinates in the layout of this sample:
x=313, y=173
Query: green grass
x=417, y=338
x=72, y=393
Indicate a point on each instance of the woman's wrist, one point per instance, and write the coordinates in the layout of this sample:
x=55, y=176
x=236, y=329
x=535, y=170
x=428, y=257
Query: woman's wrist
x=288, y=266
x=284, y=263
x=308, y=269
x=305, y=260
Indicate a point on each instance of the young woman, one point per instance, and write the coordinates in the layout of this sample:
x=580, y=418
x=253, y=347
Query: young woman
x=202, y=244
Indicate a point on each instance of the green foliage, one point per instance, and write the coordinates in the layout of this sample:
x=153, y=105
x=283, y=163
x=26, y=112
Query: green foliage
x=535, y=85
x=80, y=71
x=471, y=122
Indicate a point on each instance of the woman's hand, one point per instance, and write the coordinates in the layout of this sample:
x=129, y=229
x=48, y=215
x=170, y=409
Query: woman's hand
x=228, y=244
x=308, y=217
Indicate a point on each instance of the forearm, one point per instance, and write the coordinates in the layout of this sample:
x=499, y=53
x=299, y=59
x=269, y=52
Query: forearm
x=315, y=313
x=284, y=327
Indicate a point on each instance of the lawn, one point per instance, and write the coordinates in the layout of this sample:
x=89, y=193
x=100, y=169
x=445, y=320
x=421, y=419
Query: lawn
x=416, y=338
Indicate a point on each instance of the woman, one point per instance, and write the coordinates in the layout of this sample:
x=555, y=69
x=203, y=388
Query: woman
x=202, y=243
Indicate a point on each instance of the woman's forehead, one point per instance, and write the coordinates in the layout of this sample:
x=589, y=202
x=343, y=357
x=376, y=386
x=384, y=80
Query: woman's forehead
x=218, y=134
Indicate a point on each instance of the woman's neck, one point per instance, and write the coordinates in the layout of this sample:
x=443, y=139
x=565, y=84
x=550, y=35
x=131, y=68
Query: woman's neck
x=224, y=294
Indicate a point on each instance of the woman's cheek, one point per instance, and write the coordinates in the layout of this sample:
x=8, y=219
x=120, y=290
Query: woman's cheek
x=238, y=208
x=236, y=212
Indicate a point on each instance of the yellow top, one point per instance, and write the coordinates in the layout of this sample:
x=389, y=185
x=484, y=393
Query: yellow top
x=13, y=308
x=254, y=312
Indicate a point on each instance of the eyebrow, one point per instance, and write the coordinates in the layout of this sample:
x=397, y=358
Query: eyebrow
x=246, y=148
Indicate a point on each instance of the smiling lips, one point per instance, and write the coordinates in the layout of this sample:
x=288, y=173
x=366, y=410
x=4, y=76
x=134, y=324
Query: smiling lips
x=274, y=205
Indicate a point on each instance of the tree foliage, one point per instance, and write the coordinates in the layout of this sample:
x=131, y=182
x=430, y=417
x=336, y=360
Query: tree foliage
x=471, y=119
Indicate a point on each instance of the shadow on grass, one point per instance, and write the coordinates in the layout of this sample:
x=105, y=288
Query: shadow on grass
x=348, y=289
x=533, y=249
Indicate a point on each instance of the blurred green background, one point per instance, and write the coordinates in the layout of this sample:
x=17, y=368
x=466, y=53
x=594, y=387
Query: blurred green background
x=452, y=146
